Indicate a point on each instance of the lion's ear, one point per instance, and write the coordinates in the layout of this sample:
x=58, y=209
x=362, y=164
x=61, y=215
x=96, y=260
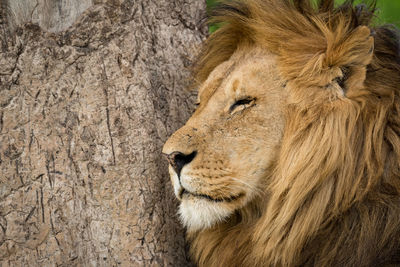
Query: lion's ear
x=351, y=56
x=336, y=57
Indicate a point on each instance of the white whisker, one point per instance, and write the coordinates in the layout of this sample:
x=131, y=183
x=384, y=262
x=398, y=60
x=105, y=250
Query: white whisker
x=252, y=187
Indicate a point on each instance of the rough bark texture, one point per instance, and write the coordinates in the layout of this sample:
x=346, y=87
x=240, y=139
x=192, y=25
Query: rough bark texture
x=83, y=116
x=51, y=15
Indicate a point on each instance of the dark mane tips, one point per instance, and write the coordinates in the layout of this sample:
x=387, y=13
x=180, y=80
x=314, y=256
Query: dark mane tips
x=233, y=8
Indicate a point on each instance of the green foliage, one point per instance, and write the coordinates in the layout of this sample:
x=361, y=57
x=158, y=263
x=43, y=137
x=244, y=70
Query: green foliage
x=388, y=11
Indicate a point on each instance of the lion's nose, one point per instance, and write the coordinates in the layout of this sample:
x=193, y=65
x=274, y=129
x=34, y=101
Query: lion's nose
x=178, y=160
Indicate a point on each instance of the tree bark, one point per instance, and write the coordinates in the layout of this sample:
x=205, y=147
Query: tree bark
x=83, y=116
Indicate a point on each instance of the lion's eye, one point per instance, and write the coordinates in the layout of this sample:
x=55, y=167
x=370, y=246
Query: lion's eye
x=242, y=104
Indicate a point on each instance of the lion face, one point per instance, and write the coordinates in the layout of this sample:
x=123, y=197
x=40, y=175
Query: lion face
x=220, y=160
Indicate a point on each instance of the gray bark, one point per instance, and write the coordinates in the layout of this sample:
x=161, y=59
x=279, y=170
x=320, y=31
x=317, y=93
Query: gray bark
x=83, y=116
x=50, y=15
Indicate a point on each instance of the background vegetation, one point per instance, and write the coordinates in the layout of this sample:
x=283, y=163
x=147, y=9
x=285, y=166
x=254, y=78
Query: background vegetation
x=388, y=11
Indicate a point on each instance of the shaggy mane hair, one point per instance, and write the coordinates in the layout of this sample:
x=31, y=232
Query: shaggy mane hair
x=334, y=194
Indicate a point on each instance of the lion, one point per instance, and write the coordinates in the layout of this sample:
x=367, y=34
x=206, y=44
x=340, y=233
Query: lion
x=292, y=157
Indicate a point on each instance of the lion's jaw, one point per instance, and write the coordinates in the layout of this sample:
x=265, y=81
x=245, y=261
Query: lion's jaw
x=196, y=213
x=234, y=134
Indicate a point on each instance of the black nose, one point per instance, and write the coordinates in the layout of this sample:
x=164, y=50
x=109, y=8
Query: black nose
x=178, y=160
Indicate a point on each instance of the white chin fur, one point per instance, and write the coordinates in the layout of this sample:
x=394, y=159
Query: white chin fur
x=197, y=214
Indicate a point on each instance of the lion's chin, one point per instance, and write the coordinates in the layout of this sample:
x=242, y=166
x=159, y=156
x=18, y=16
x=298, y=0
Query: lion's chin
x=197, y=214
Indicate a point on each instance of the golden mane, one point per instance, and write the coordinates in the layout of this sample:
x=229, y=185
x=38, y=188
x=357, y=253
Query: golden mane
x=335, y=189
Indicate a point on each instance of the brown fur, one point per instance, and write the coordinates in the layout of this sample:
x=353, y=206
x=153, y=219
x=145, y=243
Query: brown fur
x=333, y=196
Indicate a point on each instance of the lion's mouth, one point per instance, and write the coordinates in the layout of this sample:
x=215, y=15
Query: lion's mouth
x=184, y=192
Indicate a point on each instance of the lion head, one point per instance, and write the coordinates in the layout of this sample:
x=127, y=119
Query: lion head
x=219, y=159
x=293, y=154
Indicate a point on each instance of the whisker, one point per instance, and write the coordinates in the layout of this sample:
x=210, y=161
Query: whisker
x=252, y=187
x=216, y=184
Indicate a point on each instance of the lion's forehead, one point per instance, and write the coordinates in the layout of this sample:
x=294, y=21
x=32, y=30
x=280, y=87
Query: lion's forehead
x=243, y=71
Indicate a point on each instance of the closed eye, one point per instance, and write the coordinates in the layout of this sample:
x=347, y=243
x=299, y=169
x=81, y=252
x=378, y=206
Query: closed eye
x=242, y=104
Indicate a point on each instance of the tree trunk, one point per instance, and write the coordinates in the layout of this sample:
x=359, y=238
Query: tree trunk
x=83, y=116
